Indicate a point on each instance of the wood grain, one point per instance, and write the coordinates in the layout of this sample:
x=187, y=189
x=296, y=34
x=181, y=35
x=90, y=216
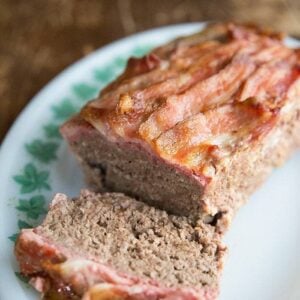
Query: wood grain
x=39, y=38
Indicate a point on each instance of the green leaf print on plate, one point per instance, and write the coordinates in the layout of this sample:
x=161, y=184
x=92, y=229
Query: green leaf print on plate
x=120, y=62
x=34, y=207
x=21, y=277
x=52, y=131
x=21, y=225
x=13, y=237
x=85, y=91
x=104, y=75
x=32, y=179
x=64, y=110
x=141, y=50
x=42, y=151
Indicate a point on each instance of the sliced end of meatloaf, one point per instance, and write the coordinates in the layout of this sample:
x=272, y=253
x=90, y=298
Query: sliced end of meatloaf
x=195, y=126
x=126, y=167
x=114, y=244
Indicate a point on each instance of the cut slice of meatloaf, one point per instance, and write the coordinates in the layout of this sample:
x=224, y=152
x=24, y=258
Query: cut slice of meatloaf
x=109, y=246
x=195, y=126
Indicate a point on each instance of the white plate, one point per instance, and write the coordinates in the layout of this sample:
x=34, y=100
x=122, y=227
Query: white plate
x=264, y=241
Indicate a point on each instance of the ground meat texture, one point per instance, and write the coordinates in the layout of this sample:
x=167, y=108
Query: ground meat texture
x=114, y=239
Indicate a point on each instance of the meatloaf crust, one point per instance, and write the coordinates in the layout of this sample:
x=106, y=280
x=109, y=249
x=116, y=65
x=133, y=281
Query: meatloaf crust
x=195, y=126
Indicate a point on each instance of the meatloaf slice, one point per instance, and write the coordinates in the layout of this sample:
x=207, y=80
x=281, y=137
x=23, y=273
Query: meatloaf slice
x=197, y=125
x=109, y=246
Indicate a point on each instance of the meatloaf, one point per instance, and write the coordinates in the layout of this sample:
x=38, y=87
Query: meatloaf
x=195, y=126
x=110, y=246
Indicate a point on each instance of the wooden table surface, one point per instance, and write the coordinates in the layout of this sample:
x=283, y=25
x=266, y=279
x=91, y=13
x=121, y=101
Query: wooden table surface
x=39, y=38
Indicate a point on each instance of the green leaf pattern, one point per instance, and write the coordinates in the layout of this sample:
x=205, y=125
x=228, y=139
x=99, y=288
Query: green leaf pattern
x=34, y=207
x=52, y=130
x=42, y=151
x=64, y=110
x=120, y=63
x=31, y=179
x=21, y=277
x=104, y=75
x=141, y=50
x=21, y=225
x=85, y=91
x=13, y=237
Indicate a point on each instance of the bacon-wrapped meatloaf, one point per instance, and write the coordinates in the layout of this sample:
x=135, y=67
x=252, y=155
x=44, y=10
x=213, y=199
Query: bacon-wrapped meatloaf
x=195, y=126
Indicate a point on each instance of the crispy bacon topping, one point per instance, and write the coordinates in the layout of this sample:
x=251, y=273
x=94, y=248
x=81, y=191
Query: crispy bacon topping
x=202, y=97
